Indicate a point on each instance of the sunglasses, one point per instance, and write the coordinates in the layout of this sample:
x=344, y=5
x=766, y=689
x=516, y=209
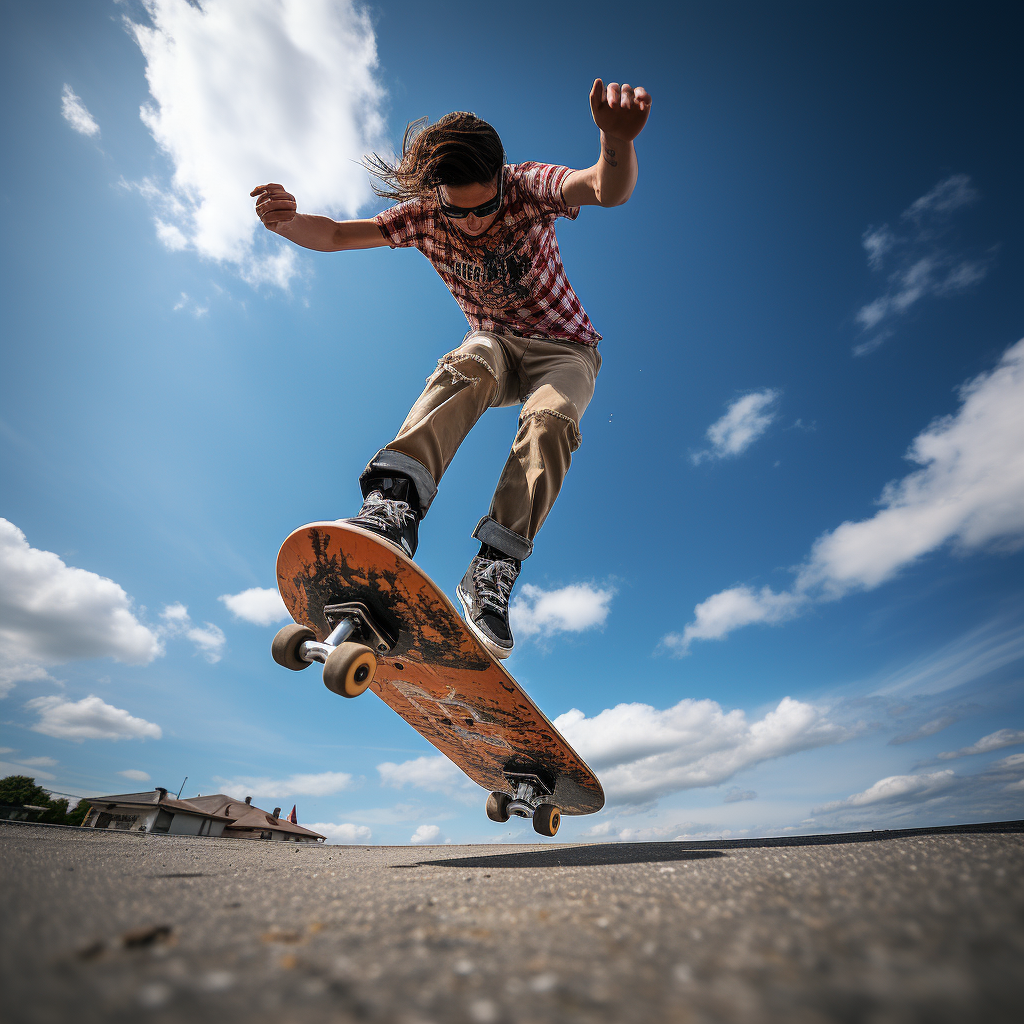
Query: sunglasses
x=483, y=210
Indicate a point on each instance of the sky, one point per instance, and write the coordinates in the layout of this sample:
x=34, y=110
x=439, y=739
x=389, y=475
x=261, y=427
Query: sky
x=782, y=589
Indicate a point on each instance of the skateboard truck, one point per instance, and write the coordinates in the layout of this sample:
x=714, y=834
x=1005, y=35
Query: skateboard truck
x=348, y=653
x=532, y=792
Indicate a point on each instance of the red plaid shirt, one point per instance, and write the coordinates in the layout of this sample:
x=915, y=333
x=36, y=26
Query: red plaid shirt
x=509, y=280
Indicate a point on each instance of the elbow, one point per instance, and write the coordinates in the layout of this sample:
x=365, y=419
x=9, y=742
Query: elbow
x=612, y=199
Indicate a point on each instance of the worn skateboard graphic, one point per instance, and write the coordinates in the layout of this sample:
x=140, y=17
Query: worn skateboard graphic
x=376, y=621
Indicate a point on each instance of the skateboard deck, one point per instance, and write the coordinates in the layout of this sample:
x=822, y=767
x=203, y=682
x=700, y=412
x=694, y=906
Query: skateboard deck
x=430, y=669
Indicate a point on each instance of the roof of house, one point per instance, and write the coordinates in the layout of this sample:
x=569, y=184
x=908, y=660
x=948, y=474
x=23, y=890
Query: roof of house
x=157, y=798
x=248, y=816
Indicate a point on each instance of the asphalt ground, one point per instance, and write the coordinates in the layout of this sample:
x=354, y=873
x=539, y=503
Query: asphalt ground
x=877, y=927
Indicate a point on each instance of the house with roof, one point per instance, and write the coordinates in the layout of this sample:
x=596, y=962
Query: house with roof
x=250, y=822
x=218, y=815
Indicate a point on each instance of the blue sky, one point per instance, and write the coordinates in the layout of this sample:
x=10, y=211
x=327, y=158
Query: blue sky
x=782, y=587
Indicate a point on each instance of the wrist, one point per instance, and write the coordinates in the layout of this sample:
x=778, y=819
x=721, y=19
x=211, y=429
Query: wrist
x=615, y=141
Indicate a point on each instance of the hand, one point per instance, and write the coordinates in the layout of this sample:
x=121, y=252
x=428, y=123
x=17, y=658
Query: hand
x=274, y=206
x=620, y=111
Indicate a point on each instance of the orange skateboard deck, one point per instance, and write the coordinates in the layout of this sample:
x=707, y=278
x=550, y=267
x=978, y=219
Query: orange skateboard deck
x=430, y=669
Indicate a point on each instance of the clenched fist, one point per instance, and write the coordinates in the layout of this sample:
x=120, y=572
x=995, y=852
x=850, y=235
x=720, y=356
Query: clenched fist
x=620, y=110
x=274, y=205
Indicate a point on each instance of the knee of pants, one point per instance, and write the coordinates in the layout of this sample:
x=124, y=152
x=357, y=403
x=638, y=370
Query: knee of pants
x=549, y=403
x=473, y=362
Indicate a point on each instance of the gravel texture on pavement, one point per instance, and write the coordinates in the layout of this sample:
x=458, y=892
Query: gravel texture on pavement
x=922, y=926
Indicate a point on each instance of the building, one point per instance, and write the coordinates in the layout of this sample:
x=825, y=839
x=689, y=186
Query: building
x=249, y=822
x=153, y=812
x=218, y=815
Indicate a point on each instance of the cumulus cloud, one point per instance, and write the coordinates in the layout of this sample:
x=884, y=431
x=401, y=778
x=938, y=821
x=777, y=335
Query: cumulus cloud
x=994, y=741
x=73, y=111
x=319, y=784
x=916, y=261
x=135, y=774
x=744, y=421
x=427, y=834
x=52, y=613
x=643, y=753
x=258, y=605
x=434, y=773
x=896, y=789
x=572, y=609
x=88, y=719
x=968, y=493
x=208, y=638
x=345, y=834
x=251, y=91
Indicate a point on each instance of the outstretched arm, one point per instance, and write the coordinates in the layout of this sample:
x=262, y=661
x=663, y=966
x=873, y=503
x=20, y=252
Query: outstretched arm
x=621, y=113
x=277, y=209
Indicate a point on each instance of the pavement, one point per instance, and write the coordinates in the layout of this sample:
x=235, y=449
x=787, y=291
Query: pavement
x=913, y=926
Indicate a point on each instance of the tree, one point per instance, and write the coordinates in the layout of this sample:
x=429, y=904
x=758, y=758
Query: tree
x=21, y=790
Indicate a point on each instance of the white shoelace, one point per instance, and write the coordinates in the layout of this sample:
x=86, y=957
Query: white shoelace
x=494, y=582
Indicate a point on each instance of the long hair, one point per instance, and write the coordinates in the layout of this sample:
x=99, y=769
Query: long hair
x=459, y=149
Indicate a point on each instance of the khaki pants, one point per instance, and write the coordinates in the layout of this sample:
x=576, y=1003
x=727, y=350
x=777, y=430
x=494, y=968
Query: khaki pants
x=554, y=381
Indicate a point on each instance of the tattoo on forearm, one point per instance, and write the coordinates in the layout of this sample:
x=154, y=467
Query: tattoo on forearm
x=609, y=155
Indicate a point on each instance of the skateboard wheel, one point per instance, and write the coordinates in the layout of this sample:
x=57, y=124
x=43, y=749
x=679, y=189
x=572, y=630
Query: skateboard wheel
x=497, y=806
x=349, y=669
x=546, y=819
x=285, y=648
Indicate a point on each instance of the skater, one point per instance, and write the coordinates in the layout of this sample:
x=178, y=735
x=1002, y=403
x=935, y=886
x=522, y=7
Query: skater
x=488, y=229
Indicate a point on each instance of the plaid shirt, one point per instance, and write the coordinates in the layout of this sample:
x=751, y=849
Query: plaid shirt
x=509, y=280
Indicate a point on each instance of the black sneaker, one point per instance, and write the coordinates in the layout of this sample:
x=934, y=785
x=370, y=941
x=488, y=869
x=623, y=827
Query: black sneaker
x=393, y=520
x=484, y=593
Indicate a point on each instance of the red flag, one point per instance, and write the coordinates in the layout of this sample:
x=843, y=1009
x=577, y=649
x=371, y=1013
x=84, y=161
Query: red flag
x=292, y=818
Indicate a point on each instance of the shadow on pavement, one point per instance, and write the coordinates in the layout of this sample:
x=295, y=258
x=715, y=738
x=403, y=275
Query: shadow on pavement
x=647, y=853
x=577, y=856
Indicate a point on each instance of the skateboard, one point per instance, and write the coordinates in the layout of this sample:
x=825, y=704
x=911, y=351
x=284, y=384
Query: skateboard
x=376, y=621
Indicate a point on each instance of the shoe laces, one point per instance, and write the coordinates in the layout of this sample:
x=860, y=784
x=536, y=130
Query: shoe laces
x=494, y=581
x=386, y=512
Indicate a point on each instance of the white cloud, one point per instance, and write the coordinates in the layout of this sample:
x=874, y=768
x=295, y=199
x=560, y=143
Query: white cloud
x=642, y=753
x=426, y=834
x=258, y=605
x=969, y=492
x=320, y=784
x=570, y=609
x=189, y=304
x=250, y=91
x=74, y=112
x=88, y=719
x=342, y=834
x=208, y=639
x=52, y=613
x=745, y=420
x=896, y=789
x=994, y=741
x=135, y=774
x=37, y=762
x=916, y=263
x=434, y=773
x=721, y=613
